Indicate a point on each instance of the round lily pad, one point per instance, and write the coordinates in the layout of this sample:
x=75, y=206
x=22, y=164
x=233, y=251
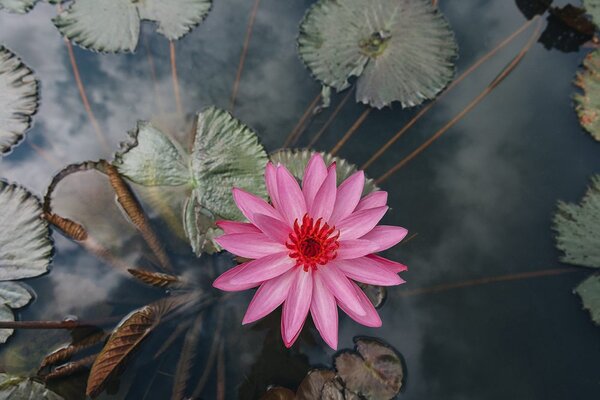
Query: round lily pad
x=400, y=50
x=588, y=102
x=19, y=96
x=24, y=237
x=17, y=6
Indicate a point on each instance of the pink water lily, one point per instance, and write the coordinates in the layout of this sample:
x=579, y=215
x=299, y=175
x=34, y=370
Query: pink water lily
x=308, y=247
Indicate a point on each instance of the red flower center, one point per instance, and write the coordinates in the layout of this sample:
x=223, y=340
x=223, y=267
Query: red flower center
x=313, y=243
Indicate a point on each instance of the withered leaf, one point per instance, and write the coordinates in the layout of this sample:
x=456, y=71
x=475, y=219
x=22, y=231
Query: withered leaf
x=312, y=386
x=66, y=352
x=156, y=279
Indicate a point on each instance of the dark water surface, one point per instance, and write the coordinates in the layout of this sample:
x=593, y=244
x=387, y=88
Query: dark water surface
x=481, y=200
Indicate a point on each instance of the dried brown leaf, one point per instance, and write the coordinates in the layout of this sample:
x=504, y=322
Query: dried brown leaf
x=155, y=279
x=312, y=386
x=71, y=368
x=65, y=353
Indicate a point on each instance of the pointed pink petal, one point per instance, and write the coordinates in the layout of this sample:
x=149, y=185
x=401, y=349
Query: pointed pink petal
x=368, y=271
x=249, y=245
x=370, y=318
x=323, y=309
x=372, y=200
x=237, y=227
x=250, y=204
x=324, y=201
x=341, y=288
x=223, y=282
x=386, y=236
x=355, y=248
x=290, y=196
x=314, y=175
x=360, y=223
x=275, y=229
x=263, y=269
x=271, y=182
x=388, y=264
x=348, y=196
x=297, y=304
x=268, y=297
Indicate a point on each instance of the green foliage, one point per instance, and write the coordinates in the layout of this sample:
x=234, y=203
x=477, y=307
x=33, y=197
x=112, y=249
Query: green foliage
x=17, y=6
x=589, y=291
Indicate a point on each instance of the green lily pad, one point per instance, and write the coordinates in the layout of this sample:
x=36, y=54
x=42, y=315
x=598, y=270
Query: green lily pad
x=14, y=387
x=295, y=160
x=6, y=314
x=17, y=6
x=24, y=237
x=226, y=154
x=589, y=291
x=588, y=103
x=114, y=25
x=12, y=295
x=593, y=8
x=19, y=96
x=578, y=228
x=399, y=50
x=151, y=158
x=200, y=228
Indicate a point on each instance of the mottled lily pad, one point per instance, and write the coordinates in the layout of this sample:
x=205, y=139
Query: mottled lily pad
x=17, y=6
x=593, y=8
x=114, y=25
x=578, y=228
x=17, y=388
x=374, y=371
x=588, y=103
x=19, y=96
x=296, y=159
x=312, y=386
x=589, y=291
x=24, y=237
x=399, y=50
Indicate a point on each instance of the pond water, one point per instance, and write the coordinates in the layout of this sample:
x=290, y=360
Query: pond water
x=481, y=201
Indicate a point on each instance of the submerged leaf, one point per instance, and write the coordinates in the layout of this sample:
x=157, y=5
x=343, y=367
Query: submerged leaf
x=19, y=96
x=588, y=103
x=226, y=154
x=578, y=228
x=589, y=291
x=156, y=279
x=312, y=386
x=400, y=50
x=17, y=6
x=13, y=387
x=24, y=237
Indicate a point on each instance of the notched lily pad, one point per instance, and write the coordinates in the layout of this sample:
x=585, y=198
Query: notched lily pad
x=19, y=96
x=114, y=25
x=17, y=6
x=578, y=228
x=25, y=237
x=14, y=387
x=588, y=102
x=589, y=291
x=399, y=50
x=374, y=371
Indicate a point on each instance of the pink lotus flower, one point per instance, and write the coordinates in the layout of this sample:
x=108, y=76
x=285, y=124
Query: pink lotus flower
x=309, y=247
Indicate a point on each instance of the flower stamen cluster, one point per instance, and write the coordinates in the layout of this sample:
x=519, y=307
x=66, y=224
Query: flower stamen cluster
x=313, y=244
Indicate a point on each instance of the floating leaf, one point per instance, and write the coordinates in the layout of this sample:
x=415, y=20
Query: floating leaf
x=593, y=8
x=17, y=6
x=6, y=314
x=278, y=393
x=18, y=99
x=400, y=50
x=14, y=294
x=200, y=228
x=375, y=372
x=578, y=228
x=295, y=160
x=152, y=159
x=114, y=25
x=156, y=279
x=376, y=294
x=589, y=291
x=588, y=103
x=24, y=237
x=226, y=154
x=13, y=387
x=311, y=387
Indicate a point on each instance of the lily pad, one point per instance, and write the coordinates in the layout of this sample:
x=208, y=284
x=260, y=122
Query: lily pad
x=374, y=371
x=593, y=8
x=17, y=6
x=14, y=294
x=578, y=228
x=24, y=237
x=589, y=291
x=312, y=386
x=114, y=25
x=295, y=161
x=14, y=387
x=399, y=50
x=200, y=228
x=6, y=314
x=588, y=103
x=19, y=96
x=226, y=154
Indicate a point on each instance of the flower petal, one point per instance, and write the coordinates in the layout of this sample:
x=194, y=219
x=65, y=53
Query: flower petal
x=314, y=175
x=341, y=288
x=370, y=318
x=268, y=297
x=360, y=223
x=350, y=249
x=223, y=282
x=368, y=271
x=322, y=206
x=323, y=309
x=271, y=182
x=249, y=245
x=250, y=204
x=275, y=229
x=296, y=306
x=237, y=227
x=386, y=236
x=290, y=196
x=388, y=264
x=264, y=268
x=372, y=200
x=348, y=196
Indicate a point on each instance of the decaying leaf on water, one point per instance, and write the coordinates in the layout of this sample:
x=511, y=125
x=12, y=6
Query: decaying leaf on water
x=156, y=279
x=312, y=386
